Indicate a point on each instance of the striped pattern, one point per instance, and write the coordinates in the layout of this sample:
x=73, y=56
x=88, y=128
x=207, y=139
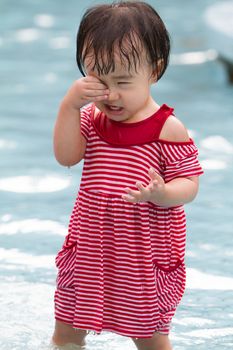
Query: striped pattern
x=121, y=268
x=180, y=160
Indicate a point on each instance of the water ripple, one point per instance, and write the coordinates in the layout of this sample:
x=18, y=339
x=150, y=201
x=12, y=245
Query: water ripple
x=34, y=184
x=32, y=226
x=44, y=20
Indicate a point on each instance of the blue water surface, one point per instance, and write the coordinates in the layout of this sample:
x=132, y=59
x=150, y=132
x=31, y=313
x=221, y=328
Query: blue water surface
x=37, y=65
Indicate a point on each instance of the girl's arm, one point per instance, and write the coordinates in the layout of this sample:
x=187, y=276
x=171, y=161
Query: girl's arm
x=176, y=192
x=69, y=143
x=180, y=190
x=173, y=193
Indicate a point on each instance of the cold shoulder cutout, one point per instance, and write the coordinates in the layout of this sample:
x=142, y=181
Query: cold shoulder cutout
x=174, y=130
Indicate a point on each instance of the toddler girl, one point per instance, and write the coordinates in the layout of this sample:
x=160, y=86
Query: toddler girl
x=121, y=268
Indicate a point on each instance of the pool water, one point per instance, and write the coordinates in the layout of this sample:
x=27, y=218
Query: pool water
x=37, y=45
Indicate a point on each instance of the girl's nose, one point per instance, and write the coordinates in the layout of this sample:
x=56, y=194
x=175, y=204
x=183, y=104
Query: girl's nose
x=113, y=95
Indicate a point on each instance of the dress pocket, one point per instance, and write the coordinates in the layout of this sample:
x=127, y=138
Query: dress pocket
x=170, y=285
x=65, y=263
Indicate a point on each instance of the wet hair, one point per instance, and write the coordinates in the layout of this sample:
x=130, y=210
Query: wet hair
x=125, y=28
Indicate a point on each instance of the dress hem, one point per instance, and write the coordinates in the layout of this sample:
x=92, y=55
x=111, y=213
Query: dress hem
x=112, y=330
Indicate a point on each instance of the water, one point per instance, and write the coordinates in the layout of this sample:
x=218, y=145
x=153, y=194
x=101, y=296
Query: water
x=37, y=44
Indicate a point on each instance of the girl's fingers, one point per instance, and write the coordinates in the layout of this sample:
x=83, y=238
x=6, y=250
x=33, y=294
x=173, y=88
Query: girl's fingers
x=140, y=186
x=94, y=83
x=96, y=96
x=94, y=89
x=92, y=93
x=135, y=196
x=153, y=185
x=131, y=192
x=144, y=192
x=155, y=176
x=95, y=86
x=129, y=198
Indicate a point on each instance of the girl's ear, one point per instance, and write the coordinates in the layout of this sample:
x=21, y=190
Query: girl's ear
x=157, y=71
x=153, y=78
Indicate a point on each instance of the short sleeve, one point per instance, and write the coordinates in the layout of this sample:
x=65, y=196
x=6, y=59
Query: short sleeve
x=86, y=120
x=180, y=159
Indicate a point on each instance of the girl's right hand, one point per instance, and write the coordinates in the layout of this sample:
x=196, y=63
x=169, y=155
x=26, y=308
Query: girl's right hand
x=85, y=90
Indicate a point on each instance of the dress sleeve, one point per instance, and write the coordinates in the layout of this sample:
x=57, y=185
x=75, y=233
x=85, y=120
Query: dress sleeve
x=180, y=159
x=85, y=117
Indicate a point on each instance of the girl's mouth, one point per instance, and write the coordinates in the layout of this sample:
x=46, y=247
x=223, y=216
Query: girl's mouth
x=115, y=110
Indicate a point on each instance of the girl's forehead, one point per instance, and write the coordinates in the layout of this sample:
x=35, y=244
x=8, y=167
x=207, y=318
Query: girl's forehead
x=119, y=72
x=120, y=66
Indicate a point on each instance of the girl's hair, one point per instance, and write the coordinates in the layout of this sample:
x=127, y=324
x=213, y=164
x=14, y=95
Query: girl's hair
x=125, y=28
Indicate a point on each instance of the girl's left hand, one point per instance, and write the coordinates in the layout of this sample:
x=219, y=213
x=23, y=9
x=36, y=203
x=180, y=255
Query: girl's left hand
x=155, y=191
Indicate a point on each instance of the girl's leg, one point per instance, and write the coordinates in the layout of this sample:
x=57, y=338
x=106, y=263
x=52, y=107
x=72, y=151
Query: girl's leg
x=66, y=334
x=157, y=342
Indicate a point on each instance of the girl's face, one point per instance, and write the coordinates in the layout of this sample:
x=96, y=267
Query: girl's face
x=129, y=98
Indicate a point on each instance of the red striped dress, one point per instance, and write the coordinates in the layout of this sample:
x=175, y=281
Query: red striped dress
x=121, y=268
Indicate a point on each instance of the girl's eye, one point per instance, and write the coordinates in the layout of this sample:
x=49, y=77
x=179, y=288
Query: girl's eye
x=122, y=82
